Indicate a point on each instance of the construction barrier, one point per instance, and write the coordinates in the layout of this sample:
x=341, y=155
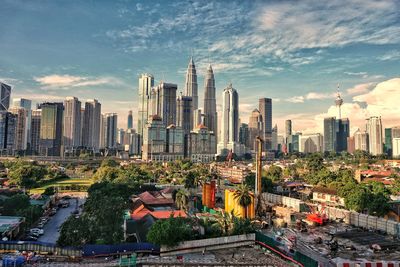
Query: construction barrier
x=39, y=247
x=297, y=256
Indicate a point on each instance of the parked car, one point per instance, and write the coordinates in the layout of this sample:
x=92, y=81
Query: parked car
x=40, y=225
x=75, y=212
x=37, y=230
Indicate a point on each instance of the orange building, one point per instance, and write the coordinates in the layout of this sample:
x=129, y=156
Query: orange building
x=208, y=197
x=233, y=204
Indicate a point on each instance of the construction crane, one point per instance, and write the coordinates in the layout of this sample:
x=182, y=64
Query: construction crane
x=316, y=216
x=258, y=184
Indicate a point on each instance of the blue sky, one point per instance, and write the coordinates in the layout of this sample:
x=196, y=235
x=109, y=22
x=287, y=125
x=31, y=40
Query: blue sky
x=295, y=52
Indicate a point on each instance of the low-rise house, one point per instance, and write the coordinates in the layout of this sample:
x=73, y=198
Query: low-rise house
x=327, y=196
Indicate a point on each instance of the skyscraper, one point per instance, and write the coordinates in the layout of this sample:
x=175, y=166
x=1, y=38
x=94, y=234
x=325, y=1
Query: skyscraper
x=146, y=82
x=35, y=131
x=191, y=84
x=5, y=92
x=210, y=103
x=288, y=129
x=374, y=130
x=7, y=132
x=230, y=121
x=330, y=134
x=342, y=133
x=244, y=134
x=20, y=139
x=27, y=105
x=184, y=116
x=91, y=124
x=255, y=129
x=388, y=141
x=275, y=138
x=51, y=129
x=163, y=102
x=72, y=123
x=265, y=108
x=311, y=143
x=130, y=120
x=110, y=127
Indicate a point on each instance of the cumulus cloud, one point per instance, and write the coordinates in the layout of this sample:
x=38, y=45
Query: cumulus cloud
x=310, y=96
x=360, y=88
x=66, y=81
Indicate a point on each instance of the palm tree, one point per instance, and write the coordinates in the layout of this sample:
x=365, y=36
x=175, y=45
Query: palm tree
x=181, y=199
x=225, y=221
x=243, y=196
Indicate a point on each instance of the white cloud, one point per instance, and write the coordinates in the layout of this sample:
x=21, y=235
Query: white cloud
x=66, y=81
x=296, y=99
x=391, y=55
x=360, y=88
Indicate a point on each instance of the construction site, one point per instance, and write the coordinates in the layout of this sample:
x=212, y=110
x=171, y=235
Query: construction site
x=330, y=236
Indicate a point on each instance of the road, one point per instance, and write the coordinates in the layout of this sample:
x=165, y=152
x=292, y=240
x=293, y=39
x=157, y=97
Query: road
x=51, y=229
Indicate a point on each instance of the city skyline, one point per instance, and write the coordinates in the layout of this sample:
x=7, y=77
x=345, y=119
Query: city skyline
x=101, y=50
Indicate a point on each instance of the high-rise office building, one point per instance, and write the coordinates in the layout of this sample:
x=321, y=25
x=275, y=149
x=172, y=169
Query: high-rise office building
x=110, y=130
x=191, y=84
x=265, y=108
x=202, y=144
x=130, y=120
x=154, y=139
x=342, y=133
x=330, y=134
x=91, y=124
x=133, y=142
x=21, y=137
x=288, y=129
x=210, y=103
x=5, y=93
x=184, y=116
x=35, y=131
x=293, y=143
x=361, y=140
x=51, y=129
x=7, y=132
x=175, y=141
x=374, y=130
x=244, y=134
x=388, y=141
x=163, y=102
x=146, y=82
x=274, y=140
x=255, y=129
x=72, y=123
x=27, y=105
x=230, y=122
x=351, y=145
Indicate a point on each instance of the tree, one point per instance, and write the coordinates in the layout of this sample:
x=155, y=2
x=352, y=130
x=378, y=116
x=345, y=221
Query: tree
x=26, y=174
x=106, y=173
x=225, y=222
x=108, y=162
x=243, y=195
x=14, y=204
x=266, y=183
x=315, y=162
x=181, y=199
x=171, y=231
x=274, y=173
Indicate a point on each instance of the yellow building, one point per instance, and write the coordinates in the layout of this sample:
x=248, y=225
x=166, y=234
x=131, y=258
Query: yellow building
x=233, y=204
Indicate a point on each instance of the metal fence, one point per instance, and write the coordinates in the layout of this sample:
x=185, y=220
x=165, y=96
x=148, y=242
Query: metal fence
x=42, y=248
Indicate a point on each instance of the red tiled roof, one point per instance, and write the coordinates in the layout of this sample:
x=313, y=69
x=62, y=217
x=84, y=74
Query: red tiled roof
x=159, y=214
x=384, y=181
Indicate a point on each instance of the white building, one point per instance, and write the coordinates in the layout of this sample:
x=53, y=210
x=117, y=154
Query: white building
x=396, y=147
x=230, y=123
x=202, y=144
x=27, y=105
x=374, y=130
x=361, y=140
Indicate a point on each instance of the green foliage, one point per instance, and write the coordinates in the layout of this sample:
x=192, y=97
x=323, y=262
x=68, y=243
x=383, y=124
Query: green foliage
x=266, y=183
x=14, y=204
x=25, y=174
x=49, y=191
x=315, y=162
x=274, y=173
x=106, y=173
x=171, y=231
x=182, y=199
x=108, y=162
x=76, y=232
